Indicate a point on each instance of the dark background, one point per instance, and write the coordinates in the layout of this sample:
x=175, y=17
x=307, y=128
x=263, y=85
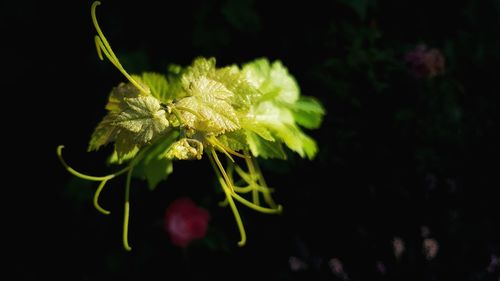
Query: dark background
x=396, y=152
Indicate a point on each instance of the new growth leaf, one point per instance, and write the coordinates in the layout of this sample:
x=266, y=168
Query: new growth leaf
x=238, y=113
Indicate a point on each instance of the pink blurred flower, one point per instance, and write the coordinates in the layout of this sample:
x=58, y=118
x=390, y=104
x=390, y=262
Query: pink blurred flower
x=425, y=62
x=494, y=265
x=398, y=246
x=337, y=268
x=296, y=264
x=431, y=248
x=380, y=266
x=185, y=221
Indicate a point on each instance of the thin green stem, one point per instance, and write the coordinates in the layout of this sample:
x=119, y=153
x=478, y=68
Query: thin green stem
x=230, y=171
x=103, y=45
x=96, y=198
x=210, y=139
x=226, y=148
x=256, y=207
x=244, y=175
x=178, y=116
x=253, y=177
x=223, y=203
x=256, y=167
x=221, y=169
x=84, y=176
x=245, y=189
x=269, y=200
x=127, y=210
x=239, y=222
x=230, y=201
x=262, y=182
x=251, y=169
x=248, y=179
x=255, y=196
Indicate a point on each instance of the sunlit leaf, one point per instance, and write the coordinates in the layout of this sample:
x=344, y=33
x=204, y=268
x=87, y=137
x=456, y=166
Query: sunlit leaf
x=140, y=120
x=308, y=112
x=158, y=85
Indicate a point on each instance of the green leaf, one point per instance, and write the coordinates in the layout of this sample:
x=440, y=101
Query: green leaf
x=158, y=170
x=263, y=132
x=174, y=69
x=279, y=110
x=242, y=92
x=158, y=85
x=113, y=159
x=308, y=112
x=107, y=131
x=251, y=123
x=235, y=140
x=174, y=74
x=214, y=117
x=296, y=140
x=207, y=106
x=144, y=117
x=273, y=81
x=264, y=148
x=154, y=165
x=280, y=122
x=116, y=102
x=140, y=120
x=200, y=67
